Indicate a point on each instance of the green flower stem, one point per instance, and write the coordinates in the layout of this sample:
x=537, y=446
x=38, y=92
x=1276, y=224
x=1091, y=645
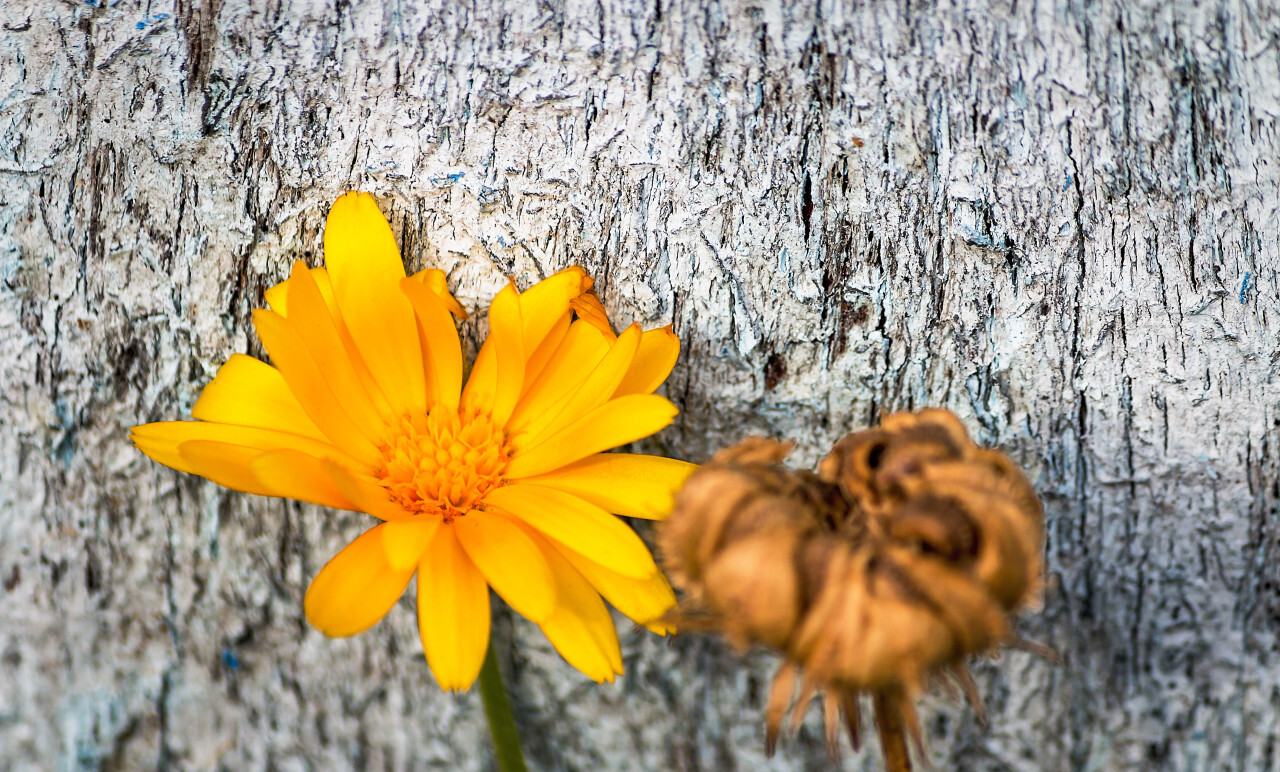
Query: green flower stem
x=506, y=742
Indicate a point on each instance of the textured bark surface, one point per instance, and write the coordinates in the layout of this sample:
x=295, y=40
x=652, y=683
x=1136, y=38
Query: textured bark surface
x=1060, y=219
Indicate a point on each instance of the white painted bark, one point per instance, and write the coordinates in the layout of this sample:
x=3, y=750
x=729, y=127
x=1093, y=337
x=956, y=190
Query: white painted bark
x=1059, y=219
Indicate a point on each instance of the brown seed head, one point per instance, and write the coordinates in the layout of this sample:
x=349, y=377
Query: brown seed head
x=903, y=556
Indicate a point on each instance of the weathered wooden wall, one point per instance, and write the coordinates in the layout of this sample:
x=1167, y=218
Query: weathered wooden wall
x=1060, y=219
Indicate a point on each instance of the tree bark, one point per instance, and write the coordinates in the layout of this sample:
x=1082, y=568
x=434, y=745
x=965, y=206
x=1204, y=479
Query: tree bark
x=1061, y=220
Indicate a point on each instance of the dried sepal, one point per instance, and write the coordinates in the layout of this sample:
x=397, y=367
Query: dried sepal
x=908, y=552
x=780, y=693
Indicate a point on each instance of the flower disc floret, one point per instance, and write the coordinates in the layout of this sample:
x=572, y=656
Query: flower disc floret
x=439, y=463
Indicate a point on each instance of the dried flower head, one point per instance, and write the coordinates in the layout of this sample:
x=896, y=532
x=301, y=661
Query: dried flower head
x=904, y=555
x=503, y=483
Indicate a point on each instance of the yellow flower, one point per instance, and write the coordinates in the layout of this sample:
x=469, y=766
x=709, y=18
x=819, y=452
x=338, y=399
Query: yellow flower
x=503, y=483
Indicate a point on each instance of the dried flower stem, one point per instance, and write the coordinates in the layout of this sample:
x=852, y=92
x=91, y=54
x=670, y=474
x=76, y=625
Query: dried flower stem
x=502, y=726
x=893, y=737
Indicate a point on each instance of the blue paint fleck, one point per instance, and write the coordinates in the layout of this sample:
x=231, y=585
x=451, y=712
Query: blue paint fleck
x=1067, y=184
x=452, y=178
x=159, y=17
x=1245, y=285
x=974, y=237
x=782, y=261
x=65, y=450
x=229, y=660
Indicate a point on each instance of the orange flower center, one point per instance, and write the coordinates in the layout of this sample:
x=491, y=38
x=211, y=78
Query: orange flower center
x=442, y=464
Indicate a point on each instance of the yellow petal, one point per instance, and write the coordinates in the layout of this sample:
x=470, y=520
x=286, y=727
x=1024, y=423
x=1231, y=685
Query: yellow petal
x=296, y=475
x=441, y=348
x=589, y=309
x=567, y=367
x=225, y=464
x=309, y=385
x=161, y=440
x=355, y=589
x=358, y=240
x=364, y=266
x=406, y=540
x=253, y=471
x=578, y=525
x=365, y=492
x=246, y=392
x=277, y=297
x=453, y=612
x=622, y=483
x=435, y=280
x=591, y=393
x=312, y=323
x=653, y=362
x=616, y=422
x=660, y=626
x=581, y=628
x=493, y=389
x=543, y=304
x=483, y=378
x=542, y=354
x=510, y=561
x=642, y=601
